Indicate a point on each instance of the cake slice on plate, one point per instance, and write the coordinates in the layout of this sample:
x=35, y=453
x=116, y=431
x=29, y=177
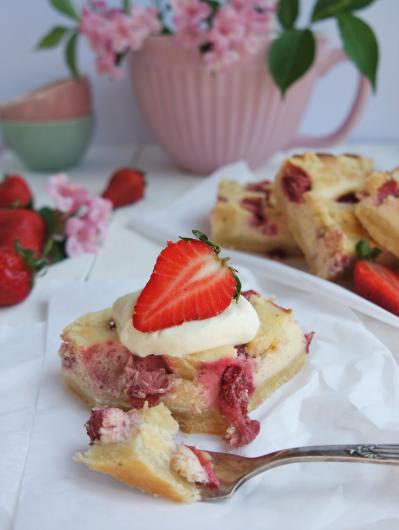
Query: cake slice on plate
x=246, y=217
x=189, y=340
x=378, y=210
x=139, y=448
x=318, y=194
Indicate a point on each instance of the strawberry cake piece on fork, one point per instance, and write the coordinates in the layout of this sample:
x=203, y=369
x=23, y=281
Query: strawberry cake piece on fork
x=189, y=340
x=139, y=448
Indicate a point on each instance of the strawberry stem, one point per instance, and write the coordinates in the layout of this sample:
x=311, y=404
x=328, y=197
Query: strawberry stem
x=27, y=254
x=365, y=251
x=204, y=238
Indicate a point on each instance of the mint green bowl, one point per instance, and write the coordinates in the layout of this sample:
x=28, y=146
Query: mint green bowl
x=49, y=145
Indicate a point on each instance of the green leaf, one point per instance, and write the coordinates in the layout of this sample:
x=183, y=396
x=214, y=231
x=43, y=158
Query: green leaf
x=27, y=254
x=53, y=220
x=126, y=5
x=290, y=56
x=360, y=45
x=331, y=8
x=365, y=251
x=65, y=7
x=70, y=54
x=52, y=38
x=287, y=13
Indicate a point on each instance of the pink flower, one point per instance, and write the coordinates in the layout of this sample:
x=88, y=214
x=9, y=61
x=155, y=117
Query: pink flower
x=189, y=21
x=221, y=59
x=229, y=28
x=119, y=32
x=105, y=64
x=98, y=210
x=68, y=197
x=83, y=236
x=112, y=32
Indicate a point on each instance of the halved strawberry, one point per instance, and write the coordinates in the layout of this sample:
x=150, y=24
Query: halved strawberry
x=377, y=283
x=189, y=282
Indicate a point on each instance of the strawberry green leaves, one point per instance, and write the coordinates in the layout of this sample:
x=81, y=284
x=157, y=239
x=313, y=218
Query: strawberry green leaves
x=290, y=56
x=360, y=45
x=292, y=53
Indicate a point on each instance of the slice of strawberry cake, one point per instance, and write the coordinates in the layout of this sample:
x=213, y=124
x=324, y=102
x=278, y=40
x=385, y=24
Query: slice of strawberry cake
x=246, y=217
x=318, y=194
x=378, y=210
x=189, y=340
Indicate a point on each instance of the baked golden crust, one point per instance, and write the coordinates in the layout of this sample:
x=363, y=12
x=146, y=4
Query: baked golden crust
x=378, y=211
x=317, y=194
x=246, y=217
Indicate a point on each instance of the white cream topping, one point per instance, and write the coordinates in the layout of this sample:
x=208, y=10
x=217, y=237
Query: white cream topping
x=237, y=324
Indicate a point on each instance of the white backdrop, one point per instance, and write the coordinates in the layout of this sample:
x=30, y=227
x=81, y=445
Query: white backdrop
x=22, y=22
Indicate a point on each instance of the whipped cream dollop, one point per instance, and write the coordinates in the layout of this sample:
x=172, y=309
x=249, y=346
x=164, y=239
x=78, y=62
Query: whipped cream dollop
x=237, y=324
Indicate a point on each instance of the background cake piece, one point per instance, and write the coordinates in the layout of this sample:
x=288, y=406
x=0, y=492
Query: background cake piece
x=318, y=195
x=195, y=387
x=378, y=210
x=246, y=217
x=139, y=449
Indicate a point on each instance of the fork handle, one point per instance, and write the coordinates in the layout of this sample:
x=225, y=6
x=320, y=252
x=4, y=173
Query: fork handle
x=364, y=453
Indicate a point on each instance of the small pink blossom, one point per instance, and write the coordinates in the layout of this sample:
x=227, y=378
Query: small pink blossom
x=83, y=236
x=105, y=64
x=189, y=21
x=68, y=197
x=98, y=210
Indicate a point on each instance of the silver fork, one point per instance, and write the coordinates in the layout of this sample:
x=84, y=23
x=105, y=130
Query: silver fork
x=233, y=470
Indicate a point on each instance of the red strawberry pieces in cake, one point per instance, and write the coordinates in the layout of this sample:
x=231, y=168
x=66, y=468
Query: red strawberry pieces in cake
x=317, y=193
x=246, y=217
x=377, y=283
x=189, y=282
x=14, y=192
x=235, y=388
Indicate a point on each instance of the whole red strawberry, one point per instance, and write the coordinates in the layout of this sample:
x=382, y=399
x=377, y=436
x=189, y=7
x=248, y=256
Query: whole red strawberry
x=25, y=226
x=377, y=283
x=126, y=186
x=15, y=277
x=14, y=192
x=189, y=282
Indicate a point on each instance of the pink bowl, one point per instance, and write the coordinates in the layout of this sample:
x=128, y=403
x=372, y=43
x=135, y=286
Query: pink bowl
x=63, y=99
x=206, y=120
